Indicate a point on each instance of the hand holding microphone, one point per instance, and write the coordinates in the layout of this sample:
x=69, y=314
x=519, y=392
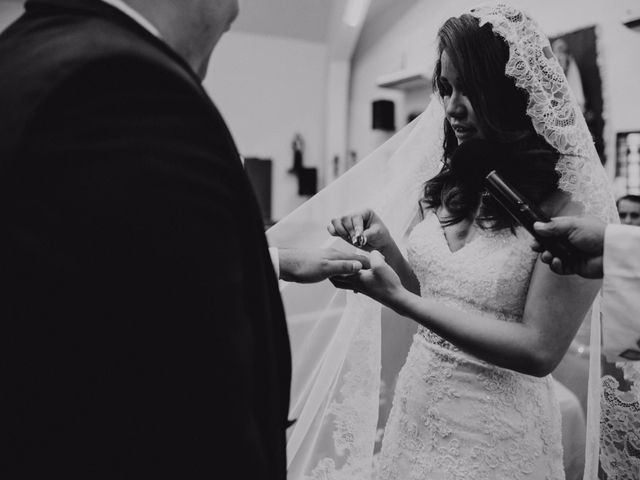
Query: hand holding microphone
x=486, y=160
x=527, y=214
x=584, y=234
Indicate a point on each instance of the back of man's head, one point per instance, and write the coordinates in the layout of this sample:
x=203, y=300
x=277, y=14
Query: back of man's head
x=191, y=27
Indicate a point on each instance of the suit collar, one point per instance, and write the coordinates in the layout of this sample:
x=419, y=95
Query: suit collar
x=98, y=8
x=135, y=15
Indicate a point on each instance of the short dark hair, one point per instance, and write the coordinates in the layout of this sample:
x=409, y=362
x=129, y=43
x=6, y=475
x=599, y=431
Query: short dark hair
x=480, y=57
x=630, y=197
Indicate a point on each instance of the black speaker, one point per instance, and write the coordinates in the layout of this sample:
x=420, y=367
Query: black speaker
x=307, y=181
x=383, y=115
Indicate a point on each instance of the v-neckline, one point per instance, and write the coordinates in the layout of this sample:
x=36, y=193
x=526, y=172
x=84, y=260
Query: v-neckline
x=443, y=235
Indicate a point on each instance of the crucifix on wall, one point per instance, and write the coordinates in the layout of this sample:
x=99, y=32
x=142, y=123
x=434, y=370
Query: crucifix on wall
x=307, y=177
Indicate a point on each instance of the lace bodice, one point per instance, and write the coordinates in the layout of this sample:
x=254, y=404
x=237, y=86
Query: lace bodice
x=488, y=276
x=453, y=415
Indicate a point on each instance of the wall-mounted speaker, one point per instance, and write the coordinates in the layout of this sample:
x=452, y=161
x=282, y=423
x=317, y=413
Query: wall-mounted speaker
x=383, y=115
x=307, y=181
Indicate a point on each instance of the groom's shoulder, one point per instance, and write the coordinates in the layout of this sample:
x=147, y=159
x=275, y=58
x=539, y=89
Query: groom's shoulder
x=53, y=48
x=42, y=56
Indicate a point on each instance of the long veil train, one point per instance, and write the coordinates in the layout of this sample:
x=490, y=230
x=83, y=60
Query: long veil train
x=336, y=335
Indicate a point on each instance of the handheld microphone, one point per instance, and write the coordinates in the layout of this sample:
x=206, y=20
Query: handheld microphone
x=526, y=213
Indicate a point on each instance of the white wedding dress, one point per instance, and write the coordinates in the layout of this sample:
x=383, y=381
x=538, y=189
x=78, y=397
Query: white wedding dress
x=455, y=417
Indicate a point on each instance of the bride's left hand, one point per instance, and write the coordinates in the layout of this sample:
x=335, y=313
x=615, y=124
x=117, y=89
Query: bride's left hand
x=379, y=282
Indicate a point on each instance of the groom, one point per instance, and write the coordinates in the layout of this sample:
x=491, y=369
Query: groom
x=142, y=331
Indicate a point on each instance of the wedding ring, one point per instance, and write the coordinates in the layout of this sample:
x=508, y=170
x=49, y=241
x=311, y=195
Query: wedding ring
x=359, y=240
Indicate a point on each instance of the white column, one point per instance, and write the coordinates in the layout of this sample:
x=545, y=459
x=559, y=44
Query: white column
x=338, y=75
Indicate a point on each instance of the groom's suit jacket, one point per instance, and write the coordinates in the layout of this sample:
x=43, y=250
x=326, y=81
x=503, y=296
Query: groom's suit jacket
x=142, y=334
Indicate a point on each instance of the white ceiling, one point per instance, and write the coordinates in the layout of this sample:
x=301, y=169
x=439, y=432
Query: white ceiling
x=299, y=19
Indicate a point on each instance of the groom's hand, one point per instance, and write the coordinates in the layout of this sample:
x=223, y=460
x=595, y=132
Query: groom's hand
x=311, y=265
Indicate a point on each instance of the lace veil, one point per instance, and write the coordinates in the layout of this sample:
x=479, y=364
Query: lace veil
x=340, y=346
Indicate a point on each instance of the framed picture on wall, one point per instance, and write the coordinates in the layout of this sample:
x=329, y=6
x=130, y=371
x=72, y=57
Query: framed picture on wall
x=628, y=162
x=577, y=52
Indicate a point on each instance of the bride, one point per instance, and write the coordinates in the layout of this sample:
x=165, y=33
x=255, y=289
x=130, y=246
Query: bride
x=474, y=398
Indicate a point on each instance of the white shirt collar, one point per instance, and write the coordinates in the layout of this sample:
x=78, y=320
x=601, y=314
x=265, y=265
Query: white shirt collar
x=130, y=12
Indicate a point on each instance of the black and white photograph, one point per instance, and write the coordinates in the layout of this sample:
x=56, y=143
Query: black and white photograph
x=320, y=239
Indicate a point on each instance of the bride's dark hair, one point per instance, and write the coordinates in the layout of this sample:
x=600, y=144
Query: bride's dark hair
x=480, y=57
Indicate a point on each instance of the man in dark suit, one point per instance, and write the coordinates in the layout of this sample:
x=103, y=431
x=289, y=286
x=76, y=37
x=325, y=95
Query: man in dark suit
x=142, y=332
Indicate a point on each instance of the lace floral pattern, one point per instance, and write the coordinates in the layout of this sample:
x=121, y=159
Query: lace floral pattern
x=552, y=106
x=353, y=409
x=455, y=416
x=557, y=117
x=620, y=424
x=468, y=290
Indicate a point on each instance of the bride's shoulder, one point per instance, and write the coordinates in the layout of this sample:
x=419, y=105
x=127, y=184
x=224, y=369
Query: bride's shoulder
x=560, y=203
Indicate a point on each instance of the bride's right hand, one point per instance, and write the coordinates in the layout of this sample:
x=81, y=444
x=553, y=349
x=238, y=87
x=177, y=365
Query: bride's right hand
x=364, y=229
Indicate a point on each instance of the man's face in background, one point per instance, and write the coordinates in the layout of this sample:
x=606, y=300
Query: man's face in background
x=629, y=212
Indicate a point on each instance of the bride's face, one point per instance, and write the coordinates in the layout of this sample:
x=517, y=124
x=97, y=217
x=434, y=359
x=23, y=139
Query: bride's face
x=458, y=108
